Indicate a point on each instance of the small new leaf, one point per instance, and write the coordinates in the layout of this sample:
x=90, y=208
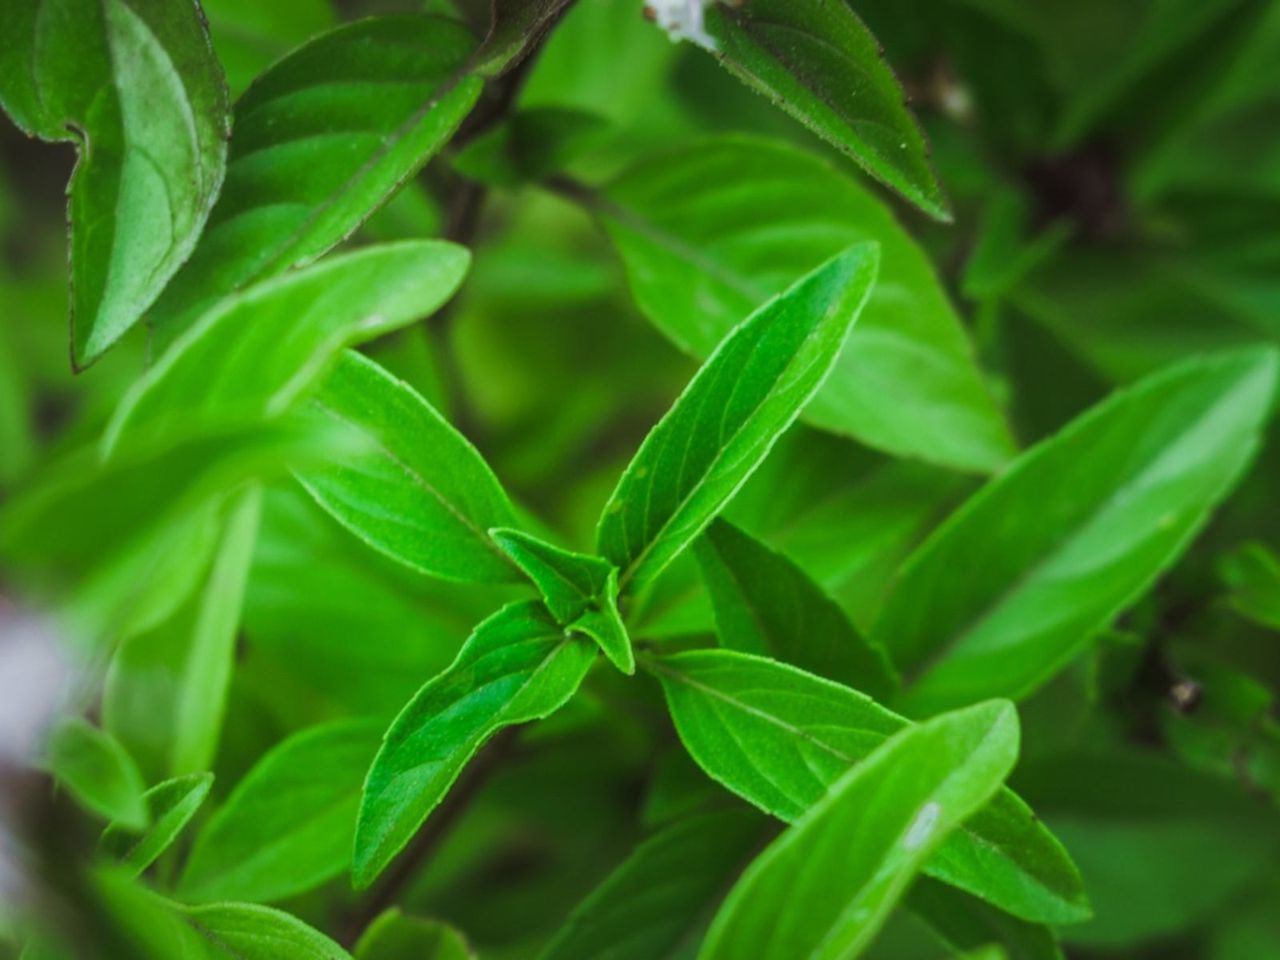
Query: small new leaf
x=720, y=429
x=580, y=591
x=394, y=936
x=519, y=665
x=826, y=886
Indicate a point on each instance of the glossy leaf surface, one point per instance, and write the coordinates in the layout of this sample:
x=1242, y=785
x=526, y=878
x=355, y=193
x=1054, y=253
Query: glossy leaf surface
x=519, y=665
x=709, y=231
x=135, y=86
x=1077, y=529
x=825, y=887
x=747, y=393
x=779, y=738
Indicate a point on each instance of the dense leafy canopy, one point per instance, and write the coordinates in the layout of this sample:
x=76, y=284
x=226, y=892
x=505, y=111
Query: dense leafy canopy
x=639, y=479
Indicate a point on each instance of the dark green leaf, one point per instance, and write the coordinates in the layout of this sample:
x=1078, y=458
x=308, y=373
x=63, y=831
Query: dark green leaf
x=747, y=393
x=826, y=886
x=519, y=665
x=767, y=605
x=394, y=936
x=323, y=139
x=135, y=85
x=658, y=902
x=514, y=27
x=708, y=232
x=422, y=494
x=287, y=826
x=817, y=61
x=1071, y=534
x=1253, y=573
x=968, y=924
x=98, y=772
x=779, y=738
x=253, y=354
x=580, y=591
x=171, y=806
x=532, y=145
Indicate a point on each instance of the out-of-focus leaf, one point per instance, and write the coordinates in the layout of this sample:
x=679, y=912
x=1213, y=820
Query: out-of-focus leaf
x=767, y=605
x=136, y=86
x=519, y=665
x=171, y=806
x=394, y=936
x=779, y=738
x=1253, y=573
x=255, y=353
x=422, y=495
x=515, y=26
x=287, y=826
x=708, y=232
x=825, y=887
x=533, y=144
x=969, y=924
x=658, y=902
x=250, y=36
x=747, y=393
x=1058, y=545
x=321, y=141
x=819, y=63
x=98, y=772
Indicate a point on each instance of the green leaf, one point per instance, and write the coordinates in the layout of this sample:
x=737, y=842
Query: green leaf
x=767, y=605
x=322, y=140
x=1072, y=533
x=1253, y=573
x=531, y=145
x=708, y=232
x=253, y=354
x=779, y=738
x=287, y=826
x=817, y=61
x=968, y=924
x=826, y=886
x=206, y=677
x=170, y=805
x=658, y=902
x=244, y=931
x=514, y=27
x=250, y=36
x=135, y=86
x=98, y=772
x=519, y=665
x=580, y=591
x=747, y=393
x=422, y=494
x=394, y=936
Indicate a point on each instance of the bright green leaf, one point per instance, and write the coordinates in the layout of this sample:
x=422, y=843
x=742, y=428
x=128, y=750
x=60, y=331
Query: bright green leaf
x=747, y=393
x=287, y=826
x=135, y=85
x=394, y=936
x=519, y=665
x=710, y=231
x=767, y=605
x=171, y=806
x=826, y=886
x=779, y=738
x=422, y=494
x=1072, y=533
x=661, y=898
x=322, y=140
x=816, y=60
x=98, y=772
x=253, y=354
x=580, y=591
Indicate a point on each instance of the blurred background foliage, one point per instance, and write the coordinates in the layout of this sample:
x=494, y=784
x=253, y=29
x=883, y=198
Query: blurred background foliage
x=1114, y=170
